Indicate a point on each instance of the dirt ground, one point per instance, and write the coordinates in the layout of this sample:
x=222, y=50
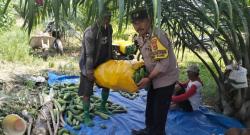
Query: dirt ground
x=9, y=71
x=12, y=74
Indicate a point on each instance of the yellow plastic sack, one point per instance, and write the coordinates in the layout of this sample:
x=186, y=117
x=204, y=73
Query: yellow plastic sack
x=117, y=75
x=123, y=49
x=122, y=45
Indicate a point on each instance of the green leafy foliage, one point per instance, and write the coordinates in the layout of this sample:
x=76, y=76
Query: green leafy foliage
x=14, y=46
x=7, y=19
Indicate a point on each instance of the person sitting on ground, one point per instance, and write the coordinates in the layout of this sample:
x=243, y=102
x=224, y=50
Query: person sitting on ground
x=187, y=95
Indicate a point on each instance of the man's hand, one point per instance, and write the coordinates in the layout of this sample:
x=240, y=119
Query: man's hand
x=143, y=82
x=177, y=87
x=90, y=75
x=173, y=105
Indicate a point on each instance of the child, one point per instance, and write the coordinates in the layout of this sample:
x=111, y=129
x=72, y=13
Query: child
x=187, y=95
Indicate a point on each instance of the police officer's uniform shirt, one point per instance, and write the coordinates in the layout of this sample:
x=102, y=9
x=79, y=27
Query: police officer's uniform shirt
x=167, y=67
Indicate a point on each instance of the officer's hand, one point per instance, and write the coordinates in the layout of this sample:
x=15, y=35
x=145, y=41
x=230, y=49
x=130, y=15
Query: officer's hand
x=143, y=82
x=177, y=87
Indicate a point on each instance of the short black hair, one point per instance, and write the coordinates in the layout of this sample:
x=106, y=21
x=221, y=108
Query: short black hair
x=138, y=14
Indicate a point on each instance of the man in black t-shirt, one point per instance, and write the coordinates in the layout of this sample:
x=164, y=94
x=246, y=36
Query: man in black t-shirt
x=96, y=49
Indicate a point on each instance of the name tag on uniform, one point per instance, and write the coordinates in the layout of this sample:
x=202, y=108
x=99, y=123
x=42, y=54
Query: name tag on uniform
x=158, y=49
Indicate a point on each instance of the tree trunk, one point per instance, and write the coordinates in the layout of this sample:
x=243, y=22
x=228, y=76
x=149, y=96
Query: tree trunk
x=236, y=103
x=41, y=127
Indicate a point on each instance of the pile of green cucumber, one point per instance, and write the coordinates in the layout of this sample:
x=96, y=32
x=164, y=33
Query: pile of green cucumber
x=71, y=105
x=128, y=95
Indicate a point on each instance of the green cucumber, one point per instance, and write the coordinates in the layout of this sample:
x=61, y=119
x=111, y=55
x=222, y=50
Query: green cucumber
x=102, y=115
x=62, y=131
x=78, y=127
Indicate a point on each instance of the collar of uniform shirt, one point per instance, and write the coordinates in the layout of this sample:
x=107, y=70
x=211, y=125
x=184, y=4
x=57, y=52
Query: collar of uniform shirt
x=148, y=35
x=143, y=40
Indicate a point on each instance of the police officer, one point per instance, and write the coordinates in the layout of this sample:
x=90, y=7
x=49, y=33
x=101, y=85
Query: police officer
x=160, y=62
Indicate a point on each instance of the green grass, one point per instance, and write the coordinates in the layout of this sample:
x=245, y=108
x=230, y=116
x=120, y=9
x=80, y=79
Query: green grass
x=64, y=64
x=14, y=46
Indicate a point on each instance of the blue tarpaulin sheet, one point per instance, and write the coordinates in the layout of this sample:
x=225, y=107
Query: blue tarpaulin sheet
x=61, y=79
x=201, y=122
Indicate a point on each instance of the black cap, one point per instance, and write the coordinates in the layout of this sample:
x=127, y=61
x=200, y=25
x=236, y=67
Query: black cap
x=139, y=14
x=106, y=12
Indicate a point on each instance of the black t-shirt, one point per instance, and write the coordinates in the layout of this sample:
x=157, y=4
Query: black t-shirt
x=104, y=50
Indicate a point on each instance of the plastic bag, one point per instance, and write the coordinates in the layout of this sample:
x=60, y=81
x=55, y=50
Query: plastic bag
x=117, y=75
x=238, y=77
